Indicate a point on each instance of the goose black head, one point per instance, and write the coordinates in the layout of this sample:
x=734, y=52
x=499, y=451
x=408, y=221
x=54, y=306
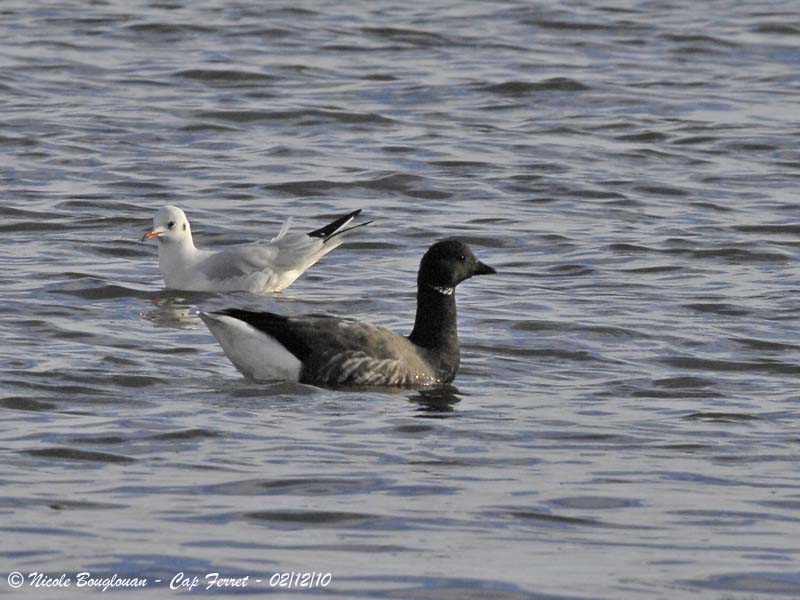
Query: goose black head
x=447, y=263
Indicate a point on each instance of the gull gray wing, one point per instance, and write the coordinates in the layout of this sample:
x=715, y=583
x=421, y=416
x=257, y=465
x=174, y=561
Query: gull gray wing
x=260, y=267
x=272, y=266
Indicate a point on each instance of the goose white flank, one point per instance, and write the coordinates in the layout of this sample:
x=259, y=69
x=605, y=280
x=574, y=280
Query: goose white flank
x=323, y=350
x=258, y=268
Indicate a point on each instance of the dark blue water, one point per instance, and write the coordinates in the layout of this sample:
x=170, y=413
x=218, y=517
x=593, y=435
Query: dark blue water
x=624, y=424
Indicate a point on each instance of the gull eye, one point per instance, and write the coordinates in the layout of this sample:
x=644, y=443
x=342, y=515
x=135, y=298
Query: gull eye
x=171, y=224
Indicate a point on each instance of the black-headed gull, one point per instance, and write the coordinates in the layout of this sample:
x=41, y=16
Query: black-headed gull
x=323, y=350
x=259, y=267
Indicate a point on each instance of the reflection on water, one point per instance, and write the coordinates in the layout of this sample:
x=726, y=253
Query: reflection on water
x=173, y=309
x=436, y=402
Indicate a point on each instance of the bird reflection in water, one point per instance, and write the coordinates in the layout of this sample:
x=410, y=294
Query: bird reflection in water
x=174, y=310
x=437, y=402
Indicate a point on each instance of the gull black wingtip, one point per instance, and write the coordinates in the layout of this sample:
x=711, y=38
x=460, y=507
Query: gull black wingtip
x=335, y=227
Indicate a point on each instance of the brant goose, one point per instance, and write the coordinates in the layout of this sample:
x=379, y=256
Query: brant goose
x=324, y=350
x=257, y=268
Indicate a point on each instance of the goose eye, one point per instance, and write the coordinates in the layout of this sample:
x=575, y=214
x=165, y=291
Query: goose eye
x=462, y=258
x=171, y=224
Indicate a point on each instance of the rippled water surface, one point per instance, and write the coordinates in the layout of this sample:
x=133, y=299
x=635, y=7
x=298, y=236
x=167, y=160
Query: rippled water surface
x=624, y=424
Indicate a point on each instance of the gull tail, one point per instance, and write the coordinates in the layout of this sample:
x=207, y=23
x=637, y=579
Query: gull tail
x=287, y=224
x=337, y=227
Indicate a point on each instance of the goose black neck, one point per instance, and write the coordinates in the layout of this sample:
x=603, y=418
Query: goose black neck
x=435, y=326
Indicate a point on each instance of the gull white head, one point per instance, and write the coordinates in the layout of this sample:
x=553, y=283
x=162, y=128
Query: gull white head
x=170, y=225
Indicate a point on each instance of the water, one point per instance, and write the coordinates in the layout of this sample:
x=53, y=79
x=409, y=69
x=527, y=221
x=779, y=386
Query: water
x=624, y=424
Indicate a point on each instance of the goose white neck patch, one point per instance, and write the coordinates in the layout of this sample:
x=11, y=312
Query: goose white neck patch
x=445, y=291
